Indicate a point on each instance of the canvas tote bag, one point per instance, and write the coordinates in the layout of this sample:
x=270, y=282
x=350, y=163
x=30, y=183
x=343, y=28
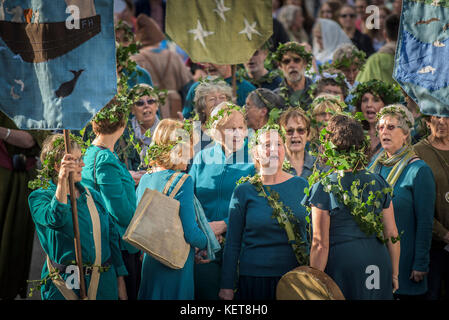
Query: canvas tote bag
x=156, y=227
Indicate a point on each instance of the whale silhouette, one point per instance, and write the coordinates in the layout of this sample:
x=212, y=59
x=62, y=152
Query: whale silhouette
x=66, y=88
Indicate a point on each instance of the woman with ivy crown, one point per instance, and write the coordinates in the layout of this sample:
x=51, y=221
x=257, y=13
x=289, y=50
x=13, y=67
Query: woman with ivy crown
x=413, y=197
x=105, y=173
x=215, y=171
x=296, y=124
x=166, y=156
x=267, y=230
x=353, y=218
x=52, y=214
x=369, y=98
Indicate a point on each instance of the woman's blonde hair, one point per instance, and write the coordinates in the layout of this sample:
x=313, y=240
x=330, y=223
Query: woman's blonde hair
x=168, y=132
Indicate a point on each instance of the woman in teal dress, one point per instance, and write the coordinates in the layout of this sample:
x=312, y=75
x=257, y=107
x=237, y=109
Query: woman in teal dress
x=215, y=171
x=160, y=282
x=352, y=217
x=258, y=251
x=105, y=173
x=52, y=214
x=413, y=197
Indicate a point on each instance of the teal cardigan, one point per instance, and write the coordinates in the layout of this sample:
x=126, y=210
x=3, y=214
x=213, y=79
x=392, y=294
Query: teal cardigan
x=115, y=185
x=215, y=177
x=54, y=228
x=414, y=204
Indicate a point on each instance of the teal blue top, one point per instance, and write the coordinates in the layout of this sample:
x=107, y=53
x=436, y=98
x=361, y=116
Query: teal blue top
x=158, y=281
x=54, y=228
x=353, y=253
x=243, y=89
x=414, y=204
x=256, y=245
x=215, y=177
x=115, y=185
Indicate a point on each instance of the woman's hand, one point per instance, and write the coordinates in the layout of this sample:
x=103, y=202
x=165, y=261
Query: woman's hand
x=218, y=227
x=68, y=165
x=226, y=294
x=395, y=283
x=121, y=286
x=200, y=256
x=417, y=276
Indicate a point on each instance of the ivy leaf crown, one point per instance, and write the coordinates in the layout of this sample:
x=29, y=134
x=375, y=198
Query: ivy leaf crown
x=355, y=58
x=389, y=93
x=272, y=124
x=48, y=172
x=291, y=46
x=225, y=110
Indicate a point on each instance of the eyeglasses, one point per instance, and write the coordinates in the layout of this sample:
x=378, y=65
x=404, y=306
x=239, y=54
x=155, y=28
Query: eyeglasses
x=141, y=103
x=389, y=127
x=352, y=16
x=295, y=60
x=299, y=130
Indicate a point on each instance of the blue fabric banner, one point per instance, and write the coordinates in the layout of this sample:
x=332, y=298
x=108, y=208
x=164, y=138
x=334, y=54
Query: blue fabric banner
x=57, y=61
x=422, y=54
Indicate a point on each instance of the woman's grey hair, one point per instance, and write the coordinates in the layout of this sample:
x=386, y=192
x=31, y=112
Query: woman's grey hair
x=405, y=118
x=286, y=15
x=203, y=90
x=265, y=98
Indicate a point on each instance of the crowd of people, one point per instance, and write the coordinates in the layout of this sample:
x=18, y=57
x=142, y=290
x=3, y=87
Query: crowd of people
x=315, y=157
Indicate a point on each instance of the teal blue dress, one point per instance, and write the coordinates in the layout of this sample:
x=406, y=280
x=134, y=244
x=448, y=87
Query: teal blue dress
x=214, y=180
x=115, y=185
x=359, y=264
x=414, y=204
x=256, y=245
x=160, y=282
x=54, y=228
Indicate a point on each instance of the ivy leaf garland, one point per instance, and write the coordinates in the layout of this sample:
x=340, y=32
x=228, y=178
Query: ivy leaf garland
x=285, y=217
x=341, y=162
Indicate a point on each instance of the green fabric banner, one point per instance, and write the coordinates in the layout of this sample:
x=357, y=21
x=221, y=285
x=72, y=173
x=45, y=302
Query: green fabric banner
x=219, y=31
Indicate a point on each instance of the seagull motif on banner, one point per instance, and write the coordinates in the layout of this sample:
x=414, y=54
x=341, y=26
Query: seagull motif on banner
x=200, y=33
x=249, y=29
x=221, y=9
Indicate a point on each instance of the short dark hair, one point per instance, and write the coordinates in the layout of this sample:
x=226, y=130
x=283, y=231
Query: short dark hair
x=265, y=98
x=320, y=84
x=346, y=132
x=392, y=27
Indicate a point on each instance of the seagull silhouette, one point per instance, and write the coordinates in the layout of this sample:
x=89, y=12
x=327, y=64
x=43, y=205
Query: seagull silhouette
x=67, y=87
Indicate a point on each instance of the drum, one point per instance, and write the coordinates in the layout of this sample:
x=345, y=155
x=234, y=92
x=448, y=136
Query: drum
x=306, y=283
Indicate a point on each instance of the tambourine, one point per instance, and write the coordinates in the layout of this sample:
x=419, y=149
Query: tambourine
x=307, y=283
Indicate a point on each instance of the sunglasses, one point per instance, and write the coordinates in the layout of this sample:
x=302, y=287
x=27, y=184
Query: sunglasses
x=389, y=127
x=295, y=60
x=300, y=131
x=141, y=103
x=352, y=16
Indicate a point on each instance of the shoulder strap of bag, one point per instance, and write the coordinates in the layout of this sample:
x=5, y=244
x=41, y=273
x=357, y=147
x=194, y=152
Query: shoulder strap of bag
x=60, y=284
x=178, y=185
x=96, y=228
x=169, y=182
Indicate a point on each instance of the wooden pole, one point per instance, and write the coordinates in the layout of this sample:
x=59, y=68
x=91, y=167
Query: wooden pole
x=234, y=82
x=76, y=229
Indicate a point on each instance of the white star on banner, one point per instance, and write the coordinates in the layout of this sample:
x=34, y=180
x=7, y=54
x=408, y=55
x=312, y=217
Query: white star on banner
x=221, y=9
x=200, y=33
x=249, y=29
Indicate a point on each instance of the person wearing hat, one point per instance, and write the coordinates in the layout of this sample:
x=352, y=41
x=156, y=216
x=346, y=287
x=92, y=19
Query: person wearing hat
x=294, y=60
x=259, y=103
x=166, y=67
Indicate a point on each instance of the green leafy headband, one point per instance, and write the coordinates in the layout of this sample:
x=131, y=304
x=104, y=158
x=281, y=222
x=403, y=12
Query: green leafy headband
x=389, y=93
x=397, y=110
x=355, y=57
x=267, y=128
x=224, y=111
x=48, y=171
x=292, y=47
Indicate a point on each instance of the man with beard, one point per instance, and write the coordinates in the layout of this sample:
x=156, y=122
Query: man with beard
x=294, y=60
